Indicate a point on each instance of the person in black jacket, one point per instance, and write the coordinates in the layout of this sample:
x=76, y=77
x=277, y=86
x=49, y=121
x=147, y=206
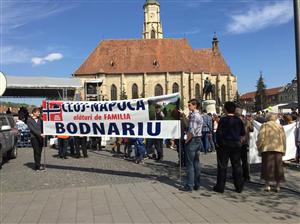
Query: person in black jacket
x=158, y=143
x=35, y=125
x=230, y=130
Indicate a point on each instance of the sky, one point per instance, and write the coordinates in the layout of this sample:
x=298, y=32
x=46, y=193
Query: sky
x=54, y=37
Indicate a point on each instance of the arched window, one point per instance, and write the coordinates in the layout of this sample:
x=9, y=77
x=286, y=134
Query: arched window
x=223, y=93
x=135, y=91
x=215, y=92
x=158, y=90
x=153, y=36
x=197, y=91
x=175, y=88
x=113, y=92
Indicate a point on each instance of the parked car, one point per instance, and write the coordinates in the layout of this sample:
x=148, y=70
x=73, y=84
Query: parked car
x=8, y=138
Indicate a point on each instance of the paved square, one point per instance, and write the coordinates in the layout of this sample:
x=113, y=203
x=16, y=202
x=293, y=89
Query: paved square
x=108, y=189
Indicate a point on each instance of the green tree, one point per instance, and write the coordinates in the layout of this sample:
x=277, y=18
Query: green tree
x=260, y=95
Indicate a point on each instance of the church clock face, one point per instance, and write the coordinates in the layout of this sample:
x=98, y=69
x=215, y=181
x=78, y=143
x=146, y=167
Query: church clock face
x=151, y=15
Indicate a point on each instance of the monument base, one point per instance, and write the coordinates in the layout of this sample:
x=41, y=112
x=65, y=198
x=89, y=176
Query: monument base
x=209, y=106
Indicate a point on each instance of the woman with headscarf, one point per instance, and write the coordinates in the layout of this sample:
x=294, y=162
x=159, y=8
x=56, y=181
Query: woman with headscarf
x=271, y=144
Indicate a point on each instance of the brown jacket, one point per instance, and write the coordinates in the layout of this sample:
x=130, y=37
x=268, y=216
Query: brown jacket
x=271, y=138
x=245, y=140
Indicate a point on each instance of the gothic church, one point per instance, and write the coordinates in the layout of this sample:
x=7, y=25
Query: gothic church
x=155, y=65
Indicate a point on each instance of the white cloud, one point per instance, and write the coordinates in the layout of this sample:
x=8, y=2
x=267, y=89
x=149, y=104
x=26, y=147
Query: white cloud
x=49, y=58
x=14, y=54
x=53, y=57
x=258, y=18
x=38, y=61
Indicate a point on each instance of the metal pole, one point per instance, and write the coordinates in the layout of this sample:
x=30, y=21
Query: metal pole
x=180, y=149
x=297, y=43
x=45, y=146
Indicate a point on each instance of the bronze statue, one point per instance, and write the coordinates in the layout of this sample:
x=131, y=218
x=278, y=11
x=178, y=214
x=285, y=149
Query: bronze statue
x=208, y=88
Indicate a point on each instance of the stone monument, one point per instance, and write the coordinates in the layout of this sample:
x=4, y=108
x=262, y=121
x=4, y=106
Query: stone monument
x=209, y=106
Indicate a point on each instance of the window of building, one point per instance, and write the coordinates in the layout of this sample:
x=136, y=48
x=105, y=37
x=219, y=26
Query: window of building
x=223, y=93
x=113, y=92
x=214, y=92
x=153, y=36
x=175, y=88
x=135, y=91
x=197, y=91
x=158, y=90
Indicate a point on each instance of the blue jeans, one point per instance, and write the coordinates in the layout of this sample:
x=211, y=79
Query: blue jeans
x=140, y=152
x=193, y=163
x=205, y=141
x=298, y=151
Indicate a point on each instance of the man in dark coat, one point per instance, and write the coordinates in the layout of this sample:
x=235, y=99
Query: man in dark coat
x=35, y=125
x=230, y=130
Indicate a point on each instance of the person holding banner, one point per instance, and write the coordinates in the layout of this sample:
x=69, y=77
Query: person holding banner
x=230, y=130
x=35, y=125
x=158, y=143
x=180, y=143
x=271, y=150
x=193, y=147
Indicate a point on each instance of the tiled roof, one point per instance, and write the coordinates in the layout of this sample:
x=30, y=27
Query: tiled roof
x=151, y=56
x=269, y=92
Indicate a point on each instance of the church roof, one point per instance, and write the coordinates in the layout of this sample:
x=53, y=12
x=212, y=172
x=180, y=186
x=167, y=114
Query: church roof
x=269, y=92
x=151, y=56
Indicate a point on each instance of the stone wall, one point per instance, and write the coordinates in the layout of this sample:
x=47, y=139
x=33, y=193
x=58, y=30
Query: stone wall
x=146, y=84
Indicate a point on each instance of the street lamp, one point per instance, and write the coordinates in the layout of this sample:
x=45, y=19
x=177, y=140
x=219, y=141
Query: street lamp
x=297, y=43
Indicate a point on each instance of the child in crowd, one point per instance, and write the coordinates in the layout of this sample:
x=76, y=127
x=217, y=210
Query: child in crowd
x=140, y=150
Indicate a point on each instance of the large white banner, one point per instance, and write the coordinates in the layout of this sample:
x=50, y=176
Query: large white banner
x=290, y=143
x=125, y=118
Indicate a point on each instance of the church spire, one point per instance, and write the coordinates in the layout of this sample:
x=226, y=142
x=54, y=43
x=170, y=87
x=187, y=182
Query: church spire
x=215, y=43
x=152, y=23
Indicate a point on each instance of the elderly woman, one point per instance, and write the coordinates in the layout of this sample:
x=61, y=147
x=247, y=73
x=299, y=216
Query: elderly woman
x=271, y=144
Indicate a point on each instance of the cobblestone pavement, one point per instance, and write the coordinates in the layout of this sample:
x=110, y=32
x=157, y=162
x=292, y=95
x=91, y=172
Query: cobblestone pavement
x=100, y=168
x=108, y=189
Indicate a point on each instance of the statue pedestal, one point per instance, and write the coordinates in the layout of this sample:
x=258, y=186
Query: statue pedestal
x=209, y=106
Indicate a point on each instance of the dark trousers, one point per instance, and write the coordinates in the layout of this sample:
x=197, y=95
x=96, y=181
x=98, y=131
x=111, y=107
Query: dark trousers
x=71, y=143
x=298, y=154
x=224, y=153
x=96, y=143
x=149, y=144
x=127, y=149
x=245, y=163
x=62, y=147
x=80, y=144
x=158, y=143
x=37, y=145
x=182, y=156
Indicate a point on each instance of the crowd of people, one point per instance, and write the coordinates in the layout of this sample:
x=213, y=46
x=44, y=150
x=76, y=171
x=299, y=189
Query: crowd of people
x=227, y=135
x=232, y=138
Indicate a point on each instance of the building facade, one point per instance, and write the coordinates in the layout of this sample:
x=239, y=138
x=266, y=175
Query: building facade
x=155, y=66
x=272, y=97
x=288, y=93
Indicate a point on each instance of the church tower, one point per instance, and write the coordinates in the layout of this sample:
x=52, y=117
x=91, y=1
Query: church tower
x=152, y=23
